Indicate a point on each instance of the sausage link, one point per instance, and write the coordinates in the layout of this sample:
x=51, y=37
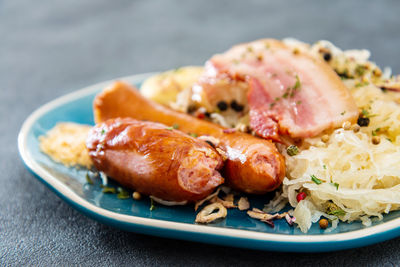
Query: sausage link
x=154, y=160
x=254, y=165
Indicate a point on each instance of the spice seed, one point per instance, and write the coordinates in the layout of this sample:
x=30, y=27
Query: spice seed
x=356, y=128
x=222, y=105
x=236, y=106
x=323, y=223
x=327, y=56
x=325, y=138
x=346, y=125
x=136, y=195
x=376, y=140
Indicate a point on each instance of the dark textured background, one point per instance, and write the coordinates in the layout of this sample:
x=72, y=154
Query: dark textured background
x=49, y=48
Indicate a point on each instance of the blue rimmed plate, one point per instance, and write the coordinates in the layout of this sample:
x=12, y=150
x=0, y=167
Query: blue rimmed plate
x=174, y=222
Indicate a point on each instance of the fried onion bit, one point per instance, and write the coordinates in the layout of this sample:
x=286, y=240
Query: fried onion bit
x=227, y=202
x=211, y=213
x=243, y=203
x=208, y=198
x=265, y=217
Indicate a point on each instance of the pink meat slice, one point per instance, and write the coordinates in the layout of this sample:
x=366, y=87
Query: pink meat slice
x=290, y=93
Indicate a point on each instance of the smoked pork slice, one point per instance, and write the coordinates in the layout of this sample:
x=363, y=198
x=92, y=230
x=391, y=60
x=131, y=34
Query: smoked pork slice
x=289, y=91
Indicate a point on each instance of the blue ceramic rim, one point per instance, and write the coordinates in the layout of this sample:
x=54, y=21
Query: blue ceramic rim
x=193, y=232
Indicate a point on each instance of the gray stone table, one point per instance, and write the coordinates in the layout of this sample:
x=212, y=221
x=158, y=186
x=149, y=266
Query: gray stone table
x=49, y=48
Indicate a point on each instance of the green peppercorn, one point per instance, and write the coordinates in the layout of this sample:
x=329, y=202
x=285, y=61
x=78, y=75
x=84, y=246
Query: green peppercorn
x=292, y=150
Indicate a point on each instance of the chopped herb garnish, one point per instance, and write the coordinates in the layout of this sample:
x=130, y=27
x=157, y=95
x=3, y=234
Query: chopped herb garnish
x=271, y=105
x=169, y=128
x=122, y=193
x=292, y=150
x=335, y=185
x=361, y=84
x=193, y=134
x=103, y=131
x=152, y=206
x=88, y=179
x=333, y=209
x=360, y=70
x=390, y=140
x=297, y=84
x=343, y=113
x=338, y=212
x=108, y=190
x=277, y=98
x=250, y=49
x=324, y=166
x=365, y=113
x=298, y=102
x=315, y=179
x=290, y=91
x=175, y=126
x=375, y=132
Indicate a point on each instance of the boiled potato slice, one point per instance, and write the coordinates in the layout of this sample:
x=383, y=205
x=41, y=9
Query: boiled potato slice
x=164, y=87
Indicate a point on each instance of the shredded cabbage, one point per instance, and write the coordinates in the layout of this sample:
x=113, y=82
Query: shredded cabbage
x=361, y=179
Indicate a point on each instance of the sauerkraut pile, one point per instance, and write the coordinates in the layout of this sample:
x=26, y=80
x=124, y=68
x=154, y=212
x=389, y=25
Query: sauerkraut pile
x=353, y=172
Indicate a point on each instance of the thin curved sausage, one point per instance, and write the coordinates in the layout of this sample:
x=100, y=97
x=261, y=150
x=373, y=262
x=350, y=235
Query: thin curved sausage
x=254, y=165
x=154, y=160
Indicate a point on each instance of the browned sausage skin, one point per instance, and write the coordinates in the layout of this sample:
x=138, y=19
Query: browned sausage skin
x=254, y=165
x=154, y=160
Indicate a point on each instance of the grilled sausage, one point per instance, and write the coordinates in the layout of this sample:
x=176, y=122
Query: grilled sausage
x=154, y=160
x=253, y=165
